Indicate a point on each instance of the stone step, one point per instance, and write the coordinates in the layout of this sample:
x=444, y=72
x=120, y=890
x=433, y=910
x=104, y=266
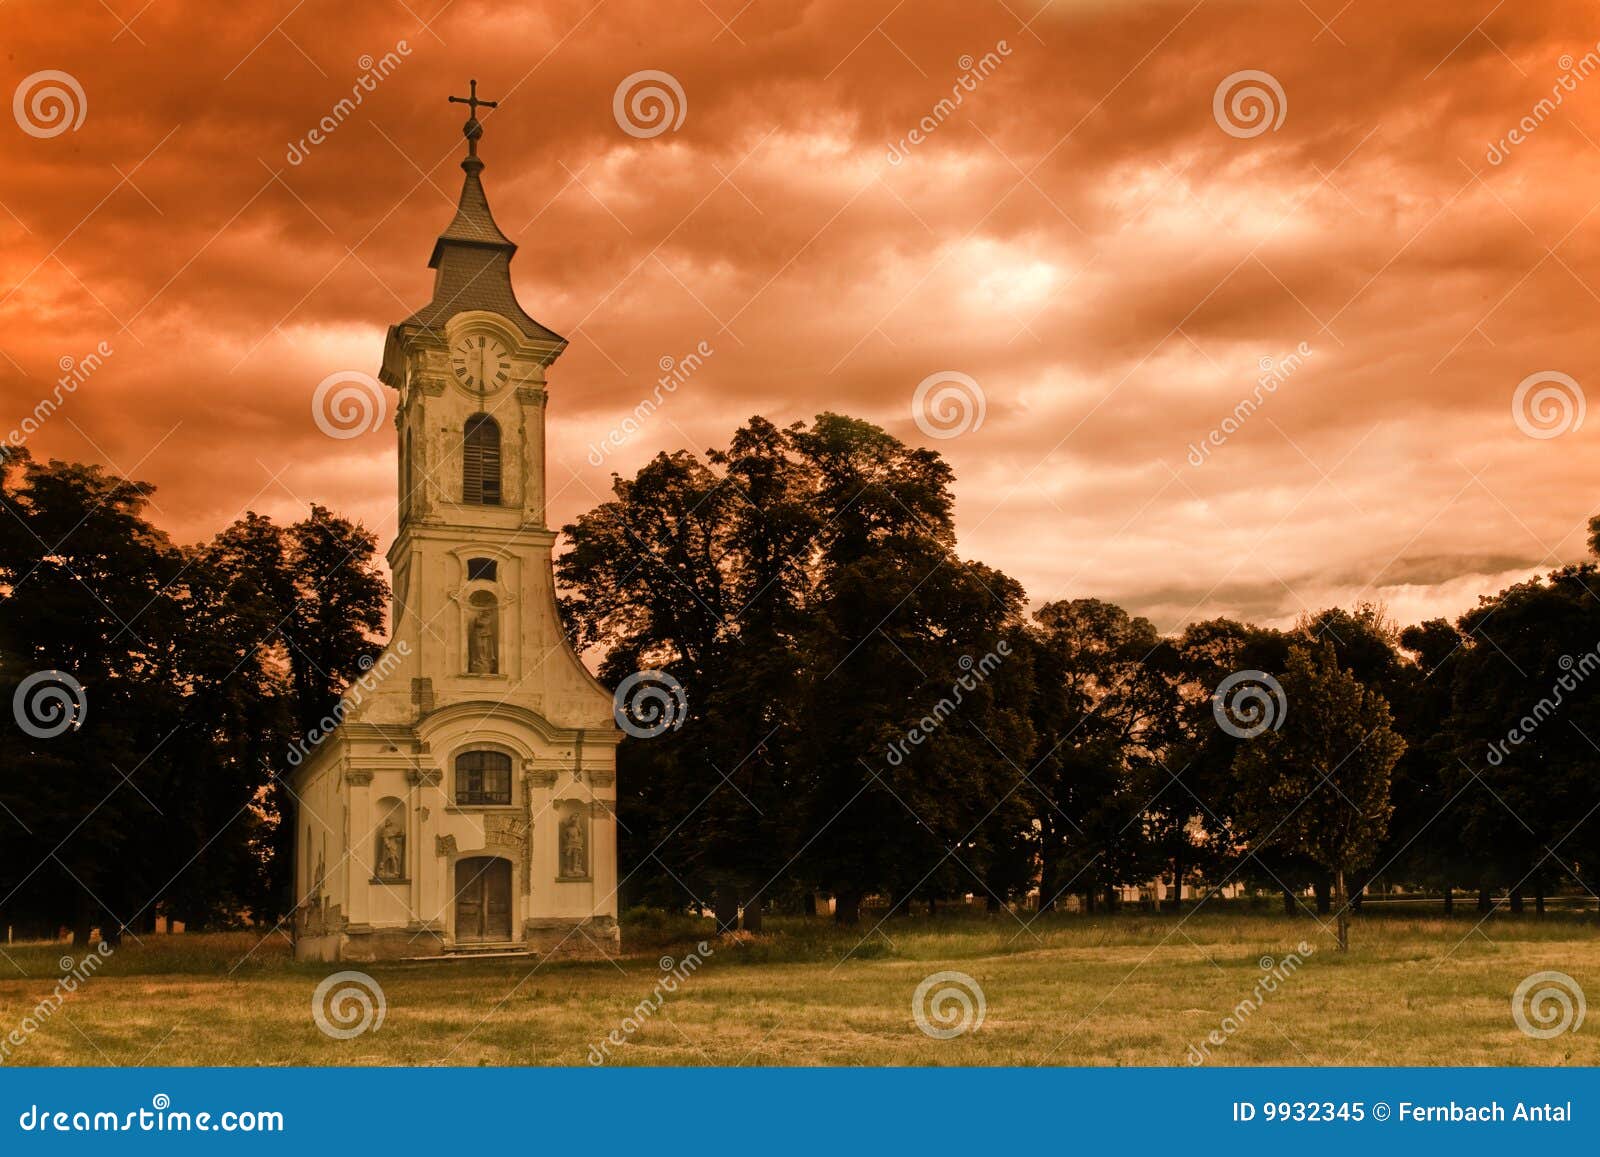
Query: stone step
x=477, y=952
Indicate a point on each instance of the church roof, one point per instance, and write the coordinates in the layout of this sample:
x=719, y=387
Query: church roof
x=472, y=260
x=473, y=223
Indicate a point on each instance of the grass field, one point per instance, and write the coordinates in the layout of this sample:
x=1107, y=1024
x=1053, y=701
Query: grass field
x=1071, y=989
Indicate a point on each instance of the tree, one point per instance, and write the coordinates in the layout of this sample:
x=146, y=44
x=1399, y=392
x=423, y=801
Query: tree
x=1201, y=756
x=1524, y=719
x=1320, y=783
x=193, y=665
x=802, y=586
x=1104, y=710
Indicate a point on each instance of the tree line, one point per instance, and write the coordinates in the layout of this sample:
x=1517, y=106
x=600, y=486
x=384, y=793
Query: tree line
x=850, y=732
x=141, y=774
x=869, y=715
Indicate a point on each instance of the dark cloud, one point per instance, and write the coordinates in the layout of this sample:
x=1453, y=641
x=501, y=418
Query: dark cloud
x=1079, y=236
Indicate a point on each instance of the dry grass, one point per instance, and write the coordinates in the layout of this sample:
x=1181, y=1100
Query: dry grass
x=1123, y=990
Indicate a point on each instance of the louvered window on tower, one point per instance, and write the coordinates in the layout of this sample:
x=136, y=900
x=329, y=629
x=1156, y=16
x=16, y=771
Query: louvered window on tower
x=480, y=461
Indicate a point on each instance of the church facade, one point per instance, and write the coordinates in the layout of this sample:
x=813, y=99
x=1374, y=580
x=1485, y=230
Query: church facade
x=466, y=802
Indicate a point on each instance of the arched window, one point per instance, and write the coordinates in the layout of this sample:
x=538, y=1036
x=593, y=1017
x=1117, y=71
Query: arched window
x=483, y=777
x=480, y=461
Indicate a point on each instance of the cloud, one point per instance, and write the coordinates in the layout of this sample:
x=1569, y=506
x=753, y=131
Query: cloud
x=1078, y=234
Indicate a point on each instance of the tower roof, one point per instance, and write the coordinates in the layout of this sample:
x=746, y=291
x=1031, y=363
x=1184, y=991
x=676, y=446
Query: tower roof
x=472, y=257
x=473, y=223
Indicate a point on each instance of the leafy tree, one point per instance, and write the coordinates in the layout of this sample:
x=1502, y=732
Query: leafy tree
x=194, y=664
x=1525, y=717
x=1424, y=840
x=1202, y=754
x=85, y=578
x=802, y=586
x=1320, y=783
x=1104, y=711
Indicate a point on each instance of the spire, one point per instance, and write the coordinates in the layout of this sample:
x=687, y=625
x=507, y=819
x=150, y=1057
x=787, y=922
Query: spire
x=473, y=223
x=472, y=256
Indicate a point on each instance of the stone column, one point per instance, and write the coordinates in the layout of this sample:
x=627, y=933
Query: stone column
x=422, y=806
x=603, y=858
x=358, y=844
x=532, y=397
x=541, y=836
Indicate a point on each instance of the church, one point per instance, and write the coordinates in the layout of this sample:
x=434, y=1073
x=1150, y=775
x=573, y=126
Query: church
x=467, y=801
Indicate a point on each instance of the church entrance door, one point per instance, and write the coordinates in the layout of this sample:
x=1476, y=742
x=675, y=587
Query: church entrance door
x=483, y=899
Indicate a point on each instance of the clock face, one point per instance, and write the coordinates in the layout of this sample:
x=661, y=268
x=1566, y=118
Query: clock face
x=481, y=362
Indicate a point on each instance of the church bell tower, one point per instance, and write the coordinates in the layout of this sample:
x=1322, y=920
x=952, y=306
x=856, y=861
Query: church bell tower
x=476, y=778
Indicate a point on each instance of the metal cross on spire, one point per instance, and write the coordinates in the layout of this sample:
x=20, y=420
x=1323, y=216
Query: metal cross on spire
x=473, y=129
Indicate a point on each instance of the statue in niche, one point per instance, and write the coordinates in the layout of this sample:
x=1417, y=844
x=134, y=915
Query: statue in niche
x=391, y=851
x=483, y=636
x=574, y=847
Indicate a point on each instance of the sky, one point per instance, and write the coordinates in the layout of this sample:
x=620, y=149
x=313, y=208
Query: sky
x=1215, y=308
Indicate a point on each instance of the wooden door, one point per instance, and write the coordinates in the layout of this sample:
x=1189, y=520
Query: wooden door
x=483, y=899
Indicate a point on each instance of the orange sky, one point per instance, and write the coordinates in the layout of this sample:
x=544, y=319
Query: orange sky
x=1080, y=237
